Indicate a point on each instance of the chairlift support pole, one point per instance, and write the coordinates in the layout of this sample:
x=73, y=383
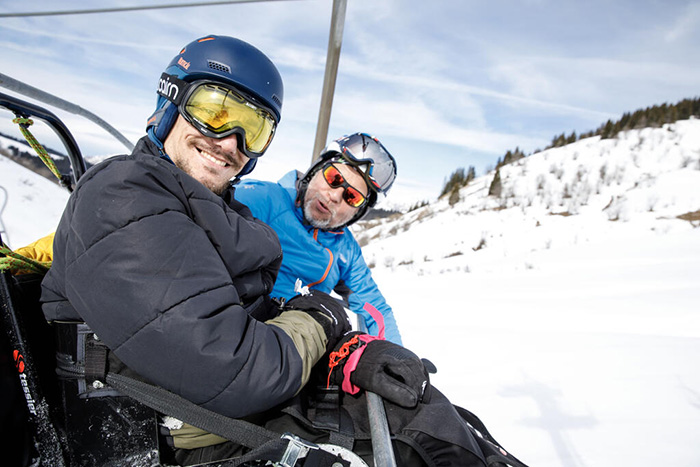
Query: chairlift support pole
x=335, y=40
x=57, y=102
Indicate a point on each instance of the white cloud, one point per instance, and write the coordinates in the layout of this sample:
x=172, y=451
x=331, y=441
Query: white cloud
x=687, y=23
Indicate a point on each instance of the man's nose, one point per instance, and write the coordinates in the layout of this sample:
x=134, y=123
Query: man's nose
x=229, y=144
x=336, y=194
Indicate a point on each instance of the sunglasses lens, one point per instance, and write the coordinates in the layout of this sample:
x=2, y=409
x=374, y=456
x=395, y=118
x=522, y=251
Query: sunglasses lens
x=336, y=180
x=353, y=197
x=221, y=110
x=333, y=177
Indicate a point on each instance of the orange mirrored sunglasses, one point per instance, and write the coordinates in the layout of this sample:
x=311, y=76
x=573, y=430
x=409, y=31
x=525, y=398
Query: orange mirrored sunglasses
x=335, y=179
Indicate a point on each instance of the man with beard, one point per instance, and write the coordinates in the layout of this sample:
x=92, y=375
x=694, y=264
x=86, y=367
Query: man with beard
x=311, y=212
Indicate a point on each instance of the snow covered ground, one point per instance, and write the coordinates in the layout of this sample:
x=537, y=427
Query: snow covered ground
x=588, y=359
x=574, y=331
x=564, y=313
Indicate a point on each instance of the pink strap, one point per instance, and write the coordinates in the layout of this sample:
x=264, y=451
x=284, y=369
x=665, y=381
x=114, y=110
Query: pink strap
x=378, y=318
x=354, y=357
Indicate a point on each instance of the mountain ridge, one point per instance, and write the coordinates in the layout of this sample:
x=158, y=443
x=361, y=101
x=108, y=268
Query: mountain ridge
x=644, y=179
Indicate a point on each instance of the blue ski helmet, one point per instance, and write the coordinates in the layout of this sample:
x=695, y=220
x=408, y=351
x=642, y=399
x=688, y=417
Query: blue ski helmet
x=367, y=155
x=221, y=59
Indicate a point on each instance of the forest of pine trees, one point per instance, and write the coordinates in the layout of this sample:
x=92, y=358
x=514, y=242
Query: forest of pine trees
x=654, y=117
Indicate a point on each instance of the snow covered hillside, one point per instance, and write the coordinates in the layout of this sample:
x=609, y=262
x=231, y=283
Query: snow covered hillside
x=565, y=312
x=585, y=192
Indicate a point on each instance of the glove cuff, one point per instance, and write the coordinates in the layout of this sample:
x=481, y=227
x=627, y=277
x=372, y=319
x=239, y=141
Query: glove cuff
x=351, y=351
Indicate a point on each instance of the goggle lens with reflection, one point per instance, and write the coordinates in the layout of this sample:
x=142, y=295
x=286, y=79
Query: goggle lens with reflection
x=218, y=111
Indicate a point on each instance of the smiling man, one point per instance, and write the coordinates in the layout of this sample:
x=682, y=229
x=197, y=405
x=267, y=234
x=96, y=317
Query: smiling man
x=212, y=162
x=171, y=273
x=310, y=213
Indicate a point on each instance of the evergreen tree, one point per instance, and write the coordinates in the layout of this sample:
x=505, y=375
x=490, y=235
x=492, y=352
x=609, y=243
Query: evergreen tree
x=496, y=187
x=624, y=121
x=607, y=130
x=454, y=197
x=508, y=158
x=471, y=174
x=457, y=179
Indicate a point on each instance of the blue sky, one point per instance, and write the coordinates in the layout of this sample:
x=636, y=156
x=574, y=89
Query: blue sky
x=444, y=84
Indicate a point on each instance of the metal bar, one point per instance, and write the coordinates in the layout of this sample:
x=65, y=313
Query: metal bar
x=27, y=109
x=50, y=99
x=381, y=438
x=382, y=450
x=335, y=41
x=132, y=8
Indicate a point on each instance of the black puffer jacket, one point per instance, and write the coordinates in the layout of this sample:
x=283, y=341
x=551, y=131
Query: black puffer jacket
x=162, y=269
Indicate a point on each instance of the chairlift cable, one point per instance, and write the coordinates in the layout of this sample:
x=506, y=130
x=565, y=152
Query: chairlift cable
x=132, y=8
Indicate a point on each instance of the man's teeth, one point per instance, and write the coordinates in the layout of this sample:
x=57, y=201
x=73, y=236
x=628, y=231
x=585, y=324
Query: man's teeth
x=213, y=159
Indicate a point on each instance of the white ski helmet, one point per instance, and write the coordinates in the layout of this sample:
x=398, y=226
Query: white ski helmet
x=367, y=155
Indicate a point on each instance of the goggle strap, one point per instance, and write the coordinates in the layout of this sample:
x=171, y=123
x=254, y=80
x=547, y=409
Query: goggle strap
x=364, y=167
x=172, y=88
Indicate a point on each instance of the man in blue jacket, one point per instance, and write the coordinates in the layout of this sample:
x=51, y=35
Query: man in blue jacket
x=311, y=212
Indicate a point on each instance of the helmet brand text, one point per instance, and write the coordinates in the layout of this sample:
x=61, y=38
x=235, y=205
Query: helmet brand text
x=168, y=89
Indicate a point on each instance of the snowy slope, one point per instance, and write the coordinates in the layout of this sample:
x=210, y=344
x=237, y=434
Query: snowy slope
x=565, y=313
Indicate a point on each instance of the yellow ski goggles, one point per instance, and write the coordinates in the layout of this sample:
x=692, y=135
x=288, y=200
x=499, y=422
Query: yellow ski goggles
x=218, y=111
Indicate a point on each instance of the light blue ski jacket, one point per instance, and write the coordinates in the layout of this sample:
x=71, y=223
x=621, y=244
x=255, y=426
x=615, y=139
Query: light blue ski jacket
x=321, y=259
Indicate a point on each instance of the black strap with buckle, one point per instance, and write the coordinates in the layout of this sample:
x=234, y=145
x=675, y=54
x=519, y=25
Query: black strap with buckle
x=87, y=362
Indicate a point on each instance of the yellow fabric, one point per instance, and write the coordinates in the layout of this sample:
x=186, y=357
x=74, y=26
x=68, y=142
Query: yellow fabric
x=40, y=250
x=191, y=437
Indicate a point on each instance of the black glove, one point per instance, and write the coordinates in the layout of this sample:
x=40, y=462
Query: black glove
x=326, y=310
x=387, y=369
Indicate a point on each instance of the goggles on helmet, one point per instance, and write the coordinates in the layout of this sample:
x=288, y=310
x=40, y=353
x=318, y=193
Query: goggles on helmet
x=335, y=179
x=218, y=111
x=363, y=149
